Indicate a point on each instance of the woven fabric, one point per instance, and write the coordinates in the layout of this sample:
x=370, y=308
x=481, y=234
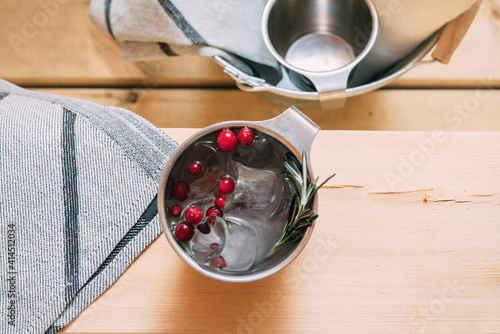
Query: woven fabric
x=78, y=185
x=153, y=29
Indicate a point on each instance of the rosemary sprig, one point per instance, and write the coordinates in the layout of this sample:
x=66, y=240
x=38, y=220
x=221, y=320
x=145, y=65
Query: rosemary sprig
x=300, y=215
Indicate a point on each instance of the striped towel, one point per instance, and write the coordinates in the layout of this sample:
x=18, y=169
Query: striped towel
x=78, y=185
x=152, y=29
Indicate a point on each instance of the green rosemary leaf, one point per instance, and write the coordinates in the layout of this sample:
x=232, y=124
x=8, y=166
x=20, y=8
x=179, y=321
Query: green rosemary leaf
x=304, y=224
x=300, y=215
x=322, y=184
x=295, y=238
x=309, y=218
x=293, y=209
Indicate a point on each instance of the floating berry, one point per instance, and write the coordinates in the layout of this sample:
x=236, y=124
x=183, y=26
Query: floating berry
x=193, y=215
x=226, y=141
x=181, y=190
x=218, y=263
x=211, y=221
x=195, y=169
x=203, y=228
x=214, y=246
x=184, y=231
x=214, y=211
x=245, y=136
x=226, y=185
x=220, y=201
x=175, y=210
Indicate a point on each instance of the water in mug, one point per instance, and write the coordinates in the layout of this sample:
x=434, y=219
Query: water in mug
x=254, y=214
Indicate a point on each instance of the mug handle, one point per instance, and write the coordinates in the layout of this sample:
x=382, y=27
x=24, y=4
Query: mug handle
x=331, y=88
x=453, y=33
x=295, y=127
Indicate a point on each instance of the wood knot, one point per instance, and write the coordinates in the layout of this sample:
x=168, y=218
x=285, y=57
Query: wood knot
x=132, y=97
x=426, y=199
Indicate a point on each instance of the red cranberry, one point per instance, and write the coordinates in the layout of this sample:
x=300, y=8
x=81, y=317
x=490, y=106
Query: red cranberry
x=218, y=262
x=245, y=136
x=175, y=210
x=184, y=231
x=195, y=169
x=193, y=215
x=220, y=201
x=181, y=190
x=211, y=221
x=203, y=228
x=226, y=185
x=226, y=141
x=214, y=246
x=214, y=211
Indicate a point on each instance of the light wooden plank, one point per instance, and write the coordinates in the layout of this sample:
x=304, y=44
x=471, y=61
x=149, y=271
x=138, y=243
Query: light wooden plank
x=61, y=46
x=66, y=49
x=387, y=109
x=417, y=255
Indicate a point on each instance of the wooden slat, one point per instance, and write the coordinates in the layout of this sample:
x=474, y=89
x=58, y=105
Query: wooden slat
x=387, y=109
x=406, y=242
x=67, y=50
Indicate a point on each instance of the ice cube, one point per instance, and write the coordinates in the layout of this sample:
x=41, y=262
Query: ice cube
x=240, y=246
x=284, y=192
x=259, y=154
x=255, y=188
x=204, y=152
x=205, y=246
x=207, y=183
x=266, y=231
x=237, y=244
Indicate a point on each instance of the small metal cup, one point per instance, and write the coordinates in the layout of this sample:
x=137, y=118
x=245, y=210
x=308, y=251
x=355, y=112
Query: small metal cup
x=292, y=129
x=319, y=42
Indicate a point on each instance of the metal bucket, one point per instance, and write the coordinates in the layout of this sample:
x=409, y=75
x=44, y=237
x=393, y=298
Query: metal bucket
x=285, y=92
x=445, y=41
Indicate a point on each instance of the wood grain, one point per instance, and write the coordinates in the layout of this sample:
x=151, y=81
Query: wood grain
x=386, y=109
x=67, y=50
x=407, y=242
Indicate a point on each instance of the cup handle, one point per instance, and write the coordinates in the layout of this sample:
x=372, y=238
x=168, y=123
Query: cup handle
x=453, y=33
x=238, y=75
x=331, y=88
x=296, y=128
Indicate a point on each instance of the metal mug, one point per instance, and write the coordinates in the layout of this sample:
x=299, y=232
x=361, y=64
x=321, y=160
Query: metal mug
x=320, y=42
x=295, y=132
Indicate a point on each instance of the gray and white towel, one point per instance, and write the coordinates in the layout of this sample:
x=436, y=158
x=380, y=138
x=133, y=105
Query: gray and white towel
x=152, y=29
x=78, y=185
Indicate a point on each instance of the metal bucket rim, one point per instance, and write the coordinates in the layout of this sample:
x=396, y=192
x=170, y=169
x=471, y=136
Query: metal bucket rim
x=257, y=85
